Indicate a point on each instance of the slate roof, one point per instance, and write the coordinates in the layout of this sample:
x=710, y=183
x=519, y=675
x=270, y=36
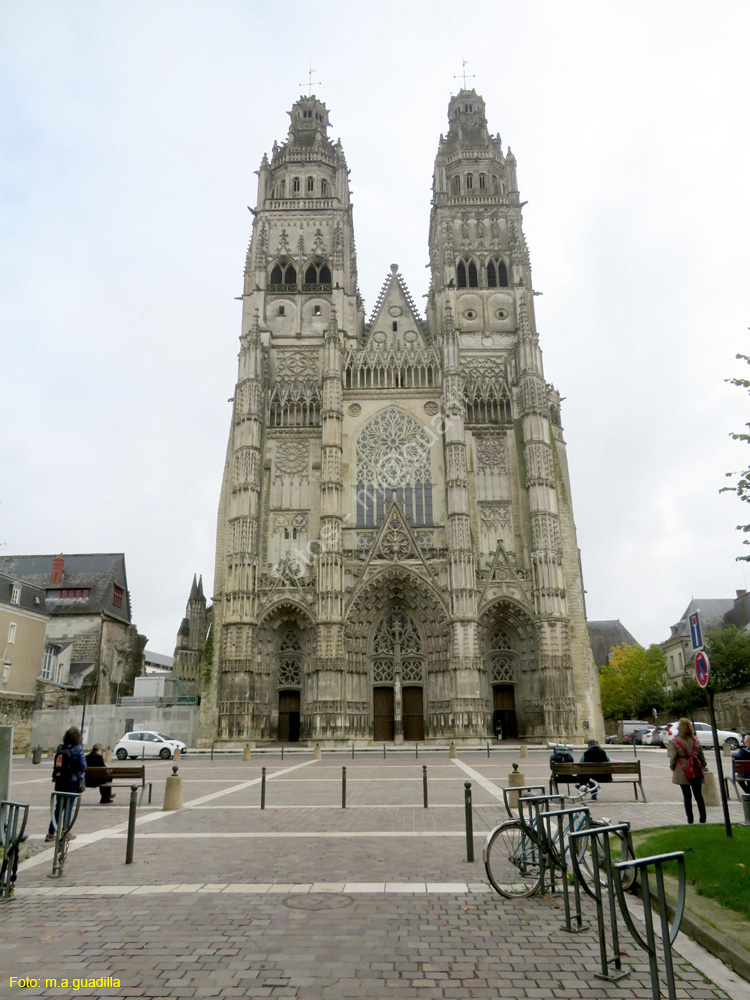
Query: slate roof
x=712, y=612
x=96, y=572
x=605, y=635
x=32, y=598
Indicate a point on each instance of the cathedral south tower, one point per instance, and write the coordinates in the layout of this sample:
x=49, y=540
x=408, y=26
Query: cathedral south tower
x=396, y=554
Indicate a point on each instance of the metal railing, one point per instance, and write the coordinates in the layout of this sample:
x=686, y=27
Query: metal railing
x=13, y=818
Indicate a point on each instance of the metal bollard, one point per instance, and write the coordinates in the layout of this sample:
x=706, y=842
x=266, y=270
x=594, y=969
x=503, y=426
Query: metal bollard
x=263, y=788
x=212, y=751
x=352, y=751
x=424, y=784
x=488, y=751
x=469, y=823
x=282, y=751
x=416, y=750
x=143, y=753
x=343, y=788
x=131, y=824
x=384, y=751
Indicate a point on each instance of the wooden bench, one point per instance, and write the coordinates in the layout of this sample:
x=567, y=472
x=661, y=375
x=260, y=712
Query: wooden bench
x=740, y=772
x=571, y=772
x=126, y=776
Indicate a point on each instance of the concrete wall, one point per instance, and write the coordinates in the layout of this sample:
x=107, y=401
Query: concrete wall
x=106, y=723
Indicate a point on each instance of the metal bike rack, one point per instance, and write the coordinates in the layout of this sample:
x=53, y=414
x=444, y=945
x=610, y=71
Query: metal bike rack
x=507, y=792
x=668, y=934
x=63, y=807
x=555, y=852
x=536, y=805
x=603, y=849
x=13, y=817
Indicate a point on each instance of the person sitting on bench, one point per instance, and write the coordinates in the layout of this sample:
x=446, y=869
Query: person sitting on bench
x=95, y=759
x=594, y=754
x=743, y=754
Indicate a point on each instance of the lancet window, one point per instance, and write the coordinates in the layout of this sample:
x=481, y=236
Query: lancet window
x=466, y=273
x=393, y=463
x=295, y=403
x=497, y=273
x=317, y=276
x=283, y=277
x=392, y=368
x=503, y=656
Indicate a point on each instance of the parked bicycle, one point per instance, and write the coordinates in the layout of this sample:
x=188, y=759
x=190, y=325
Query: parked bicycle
x=518, y=850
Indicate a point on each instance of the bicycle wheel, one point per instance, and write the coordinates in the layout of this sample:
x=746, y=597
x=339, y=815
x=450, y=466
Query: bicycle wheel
x=619, y=851
x=511, y=860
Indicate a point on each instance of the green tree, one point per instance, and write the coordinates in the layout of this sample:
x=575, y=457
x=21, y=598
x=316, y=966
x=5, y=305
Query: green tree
x=632, y=681
x=728, y=651
x=742, y=485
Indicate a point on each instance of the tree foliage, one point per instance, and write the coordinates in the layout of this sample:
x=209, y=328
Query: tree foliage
x=742, y=484
x=632, y=681
x=728, y=650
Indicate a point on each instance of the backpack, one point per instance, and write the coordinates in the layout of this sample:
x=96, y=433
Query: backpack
x=562, y=756
x=693, y=768
x=63, y=769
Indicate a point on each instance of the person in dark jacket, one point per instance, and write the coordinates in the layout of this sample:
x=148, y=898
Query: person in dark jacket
x=72, y=781
x=594, y=754
x=743, y=754
x=95, y=759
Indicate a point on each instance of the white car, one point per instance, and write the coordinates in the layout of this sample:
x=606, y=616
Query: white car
x=705, y=736
x=147, y=744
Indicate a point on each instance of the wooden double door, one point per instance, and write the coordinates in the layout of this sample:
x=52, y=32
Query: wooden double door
x=504, y=724
x=384, y=717
x=289, y=704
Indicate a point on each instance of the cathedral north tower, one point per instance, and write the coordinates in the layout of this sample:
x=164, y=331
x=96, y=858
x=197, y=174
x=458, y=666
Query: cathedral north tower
x=396, y=553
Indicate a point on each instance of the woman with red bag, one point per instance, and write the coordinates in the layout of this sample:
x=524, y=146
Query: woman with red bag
x=688, y=764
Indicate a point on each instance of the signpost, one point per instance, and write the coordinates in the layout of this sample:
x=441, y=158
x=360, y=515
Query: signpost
x=703, y=676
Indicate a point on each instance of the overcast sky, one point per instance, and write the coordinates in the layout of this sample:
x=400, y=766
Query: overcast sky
x=129, y=137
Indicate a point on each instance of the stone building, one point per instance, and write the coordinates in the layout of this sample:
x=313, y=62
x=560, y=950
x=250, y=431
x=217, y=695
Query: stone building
x=396, y=552
x=23, y=624
x=191, y=636
x=90, y=637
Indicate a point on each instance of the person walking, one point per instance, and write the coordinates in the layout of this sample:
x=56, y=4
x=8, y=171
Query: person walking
x=95, y=758
x=743, y=754
x=68, y=771
x=688, y=764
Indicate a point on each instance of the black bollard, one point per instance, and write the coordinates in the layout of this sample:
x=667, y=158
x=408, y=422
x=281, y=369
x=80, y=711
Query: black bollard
x=352, y=751
x=343, y=788
x=469, y=823
x=263, y=788
x=212, y=751
x=143, y=753
x=131, y=825
x=416, y=750
x=424, y=784
x=384, y=751
x=488, y=751
x=282, y=751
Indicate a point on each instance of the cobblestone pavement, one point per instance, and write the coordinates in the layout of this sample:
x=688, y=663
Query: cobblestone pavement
x=305, y=899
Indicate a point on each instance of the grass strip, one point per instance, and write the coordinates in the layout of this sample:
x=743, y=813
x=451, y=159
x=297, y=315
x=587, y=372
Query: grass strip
x=716, y=866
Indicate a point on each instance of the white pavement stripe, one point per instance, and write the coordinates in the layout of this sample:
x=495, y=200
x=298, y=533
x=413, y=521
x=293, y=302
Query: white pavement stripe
x=260, y=888
x=301, y=834
x=480, y=779
x=84, y=839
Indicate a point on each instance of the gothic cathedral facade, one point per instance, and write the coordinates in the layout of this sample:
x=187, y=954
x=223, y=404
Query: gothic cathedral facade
x=396, y=554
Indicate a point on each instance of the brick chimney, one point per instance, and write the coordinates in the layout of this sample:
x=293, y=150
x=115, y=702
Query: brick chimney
x=57, y=569
x=741, y=593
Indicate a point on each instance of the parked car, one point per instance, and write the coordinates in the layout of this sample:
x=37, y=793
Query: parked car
x=705, y=734
x=612, y=738
x=147, y=744
x=652, y=737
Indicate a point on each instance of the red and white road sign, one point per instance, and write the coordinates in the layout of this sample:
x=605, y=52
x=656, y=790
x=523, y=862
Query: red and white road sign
x=702, y=668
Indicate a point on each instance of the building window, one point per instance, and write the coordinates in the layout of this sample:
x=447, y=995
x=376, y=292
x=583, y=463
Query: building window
x=295, y=185
x=117, y=596
x=316, y=310
x=317, y=276
x=469, y=182
x=393, y=463
x=281, y=311
x=15, y=596
x=395, y=326
x=283, y=276
x=12, y=632
x=456, y=185
x=310, y=185
x=324, y=189
x=49, y=663
x=482, y=182
x=497, y=274
x=466, y=273
x=6, y=673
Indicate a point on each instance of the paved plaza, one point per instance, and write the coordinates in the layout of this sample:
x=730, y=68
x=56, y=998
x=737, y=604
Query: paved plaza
x=308, y=900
